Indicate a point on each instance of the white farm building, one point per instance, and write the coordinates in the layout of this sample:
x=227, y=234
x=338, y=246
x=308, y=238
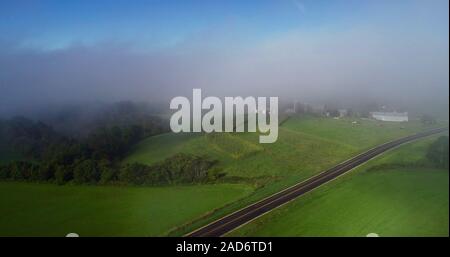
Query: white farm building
x=390, y=116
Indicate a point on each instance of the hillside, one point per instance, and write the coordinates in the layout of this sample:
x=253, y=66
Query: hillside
x=396, y=194
x=305, y=146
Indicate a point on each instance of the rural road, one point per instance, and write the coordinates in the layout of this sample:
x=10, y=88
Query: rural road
x=242, y=216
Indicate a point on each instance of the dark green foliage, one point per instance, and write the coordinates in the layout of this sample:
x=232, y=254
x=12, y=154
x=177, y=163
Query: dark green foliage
x=20, y=170
x=63, y=175
x=112, y=143
x=183, y=168
x=96, y=158
x=438, y=152
x=30, y=138
x=215, y=173
x=66, y=153
x=39, y=141
x=4, y=172
x=46, y=172
x=134, y=173
x=108, y=173
x=108, y=176
x=86, y=171
x=178, y=169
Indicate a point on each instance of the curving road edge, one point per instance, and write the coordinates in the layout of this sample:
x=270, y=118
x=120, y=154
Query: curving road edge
x=232, y=221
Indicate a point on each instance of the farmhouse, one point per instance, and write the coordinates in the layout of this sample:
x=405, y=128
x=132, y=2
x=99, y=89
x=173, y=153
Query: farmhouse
x=390, y=116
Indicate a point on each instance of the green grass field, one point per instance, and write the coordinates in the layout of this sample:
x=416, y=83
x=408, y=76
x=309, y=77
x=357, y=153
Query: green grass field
x=305, y=146
x=408, y=201
x=29, y=209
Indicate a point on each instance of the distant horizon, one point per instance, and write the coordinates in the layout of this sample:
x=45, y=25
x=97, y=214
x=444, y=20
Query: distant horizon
x=393, y=52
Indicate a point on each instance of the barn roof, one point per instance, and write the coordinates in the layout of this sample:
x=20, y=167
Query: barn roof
x=396, y=114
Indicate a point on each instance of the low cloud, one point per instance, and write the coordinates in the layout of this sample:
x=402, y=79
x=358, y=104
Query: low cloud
x=359, y=62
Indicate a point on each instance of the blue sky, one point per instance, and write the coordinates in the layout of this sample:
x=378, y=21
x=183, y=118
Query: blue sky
x=56, y=24
x=392, y=50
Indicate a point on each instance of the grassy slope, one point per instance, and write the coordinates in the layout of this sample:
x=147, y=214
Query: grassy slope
x=48, y=210
x=394, y=202
x=305, y=147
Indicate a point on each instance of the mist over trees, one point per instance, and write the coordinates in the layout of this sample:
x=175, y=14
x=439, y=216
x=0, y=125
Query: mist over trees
x=95, y=158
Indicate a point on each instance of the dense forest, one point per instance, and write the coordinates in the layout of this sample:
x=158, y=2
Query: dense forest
x=52, y=156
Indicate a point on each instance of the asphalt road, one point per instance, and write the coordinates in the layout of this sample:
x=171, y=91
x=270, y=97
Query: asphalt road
x=242, y=216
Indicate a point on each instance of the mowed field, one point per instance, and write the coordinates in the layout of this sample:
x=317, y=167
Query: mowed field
x=407, y=200
x=29, y=209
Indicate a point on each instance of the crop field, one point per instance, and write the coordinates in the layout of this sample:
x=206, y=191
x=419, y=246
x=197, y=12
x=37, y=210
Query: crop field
x=405, y=200
x=30, y=209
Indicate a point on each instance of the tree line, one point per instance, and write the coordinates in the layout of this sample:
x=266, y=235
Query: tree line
x=178, y=169
x=94, y=159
